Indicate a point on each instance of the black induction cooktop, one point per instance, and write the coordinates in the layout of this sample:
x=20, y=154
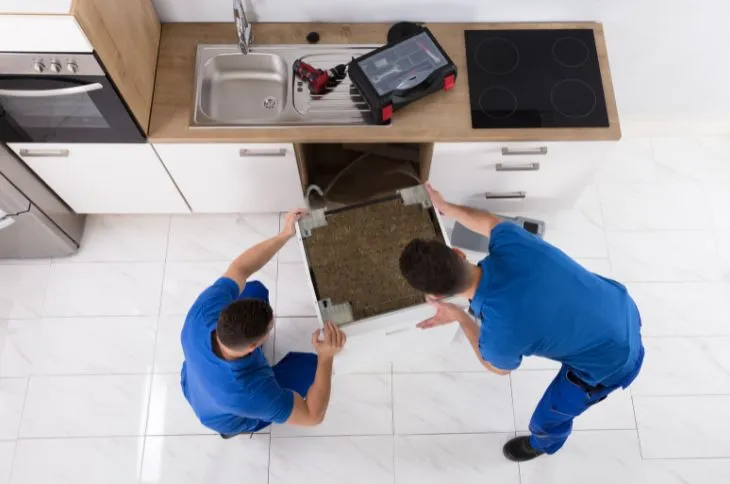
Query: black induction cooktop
x=534, y=79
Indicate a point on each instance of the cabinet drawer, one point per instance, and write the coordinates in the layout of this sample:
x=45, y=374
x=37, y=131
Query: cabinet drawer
x=515, y=176
x=104, y=177
x=352, y=267
x=235, y=178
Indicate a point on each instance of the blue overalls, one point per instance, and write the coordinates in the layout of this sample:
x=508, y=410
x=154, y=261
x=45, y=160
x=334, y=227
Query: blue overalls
x=533, y=299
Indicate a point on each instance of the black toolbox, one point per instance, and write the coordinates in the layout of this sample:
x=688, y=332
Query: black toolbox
x=398, y=74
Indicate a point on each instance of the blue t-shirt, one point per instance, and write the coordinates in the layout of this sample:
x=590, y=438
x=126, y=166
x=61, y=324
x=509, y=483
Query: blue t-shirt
x=229, y=397
x=533, y=299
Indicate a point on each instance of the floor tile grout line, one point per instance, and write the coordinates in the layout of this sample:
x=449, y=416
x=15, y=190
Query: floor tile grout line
x=273, y=349
x=154, y=351
x=514, y=420
x=684, y=395
x=392, y=417
x=605, y=231
x=20, y=426
x=99, y=437
x=268, y=466
x=397, y=435
x=392, y=398
x=636, y=422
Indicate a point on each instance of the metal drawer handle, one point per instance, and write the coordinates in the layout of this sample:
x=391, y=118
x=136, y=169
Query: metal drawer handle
x=540, y=150
x=521, y=167
x=504, y=195
x=45, y=153
x=273, y=153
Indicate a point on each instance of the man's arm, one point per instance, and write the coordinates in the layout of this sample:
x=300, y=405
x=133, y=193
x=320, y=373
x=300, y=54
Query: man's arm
x=312, y=410
x=257, y=256
x=471, y=330
x=447, y=313
x=479, y=221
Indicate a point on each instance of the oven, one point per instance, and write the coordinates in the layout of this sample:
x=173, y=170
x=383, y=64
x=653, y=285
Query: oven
x=61, y=98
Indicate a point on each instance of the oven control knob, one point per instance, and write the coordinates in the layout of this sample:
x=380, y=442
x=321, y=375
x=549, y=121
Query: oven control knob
x=39, y=66
x=55, y=67
x=72, y=67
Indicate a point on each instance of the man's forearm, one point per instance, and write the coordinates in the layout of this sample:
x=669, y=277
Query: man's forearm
x=480, y=221
x=318, y=396
x=256, y=257
x=471, y=331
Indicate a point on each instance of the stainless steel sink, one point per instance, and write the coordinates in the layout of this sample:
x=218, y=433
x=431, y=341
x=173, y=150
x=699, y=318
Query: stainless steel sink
x=259, y=89
x=239, y=88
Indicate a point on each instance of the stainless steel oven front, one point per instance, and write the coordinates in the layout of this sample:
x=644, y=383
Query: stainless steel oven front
x=61, y=98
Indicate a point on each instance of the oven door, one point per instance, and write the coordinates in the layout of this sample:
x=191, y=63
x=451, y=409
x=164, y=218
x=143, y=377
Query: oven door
x=82, y=109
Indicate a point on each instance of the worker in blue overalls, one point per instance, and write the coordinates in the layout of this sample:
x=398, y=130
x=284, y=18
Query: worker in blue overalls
x=226, y=378
x=532, y=299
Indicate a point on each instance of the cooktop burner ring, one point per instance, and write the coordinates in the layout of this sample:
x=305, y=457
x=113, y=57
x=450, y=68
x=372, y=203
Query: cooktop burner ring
x=574, y=89
x=508, y=100
x=510, y=58
x=570, y=52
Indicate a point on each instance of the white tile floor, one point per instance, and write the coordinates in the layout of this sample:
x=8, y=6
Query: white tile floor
x=89, y=355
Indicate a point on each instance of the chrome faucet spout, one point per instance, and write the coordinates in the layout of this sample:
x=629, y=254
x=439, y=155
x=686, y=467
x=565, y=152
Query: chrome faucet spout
x=243, y=27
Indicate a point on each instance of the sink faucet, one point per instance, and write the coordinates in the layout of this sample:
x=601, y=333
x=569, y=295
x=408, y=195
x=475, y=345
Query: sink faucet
x=243, y=27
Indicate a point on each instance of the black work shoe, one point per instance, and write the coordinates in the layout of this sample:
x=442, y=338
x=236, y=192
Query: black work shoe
x=520, y=450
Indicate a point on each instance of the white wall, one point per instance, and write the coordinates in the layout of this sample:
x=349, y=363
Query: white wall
x=668, y=57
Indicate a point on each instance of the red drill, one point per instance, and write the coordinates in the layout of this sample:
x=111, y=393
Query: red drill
x=317, y=79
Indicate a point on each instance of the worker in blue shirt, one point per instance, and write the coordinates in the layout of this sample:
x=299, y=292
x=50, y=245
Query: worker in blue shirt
x=226, y=377
x=532, y=299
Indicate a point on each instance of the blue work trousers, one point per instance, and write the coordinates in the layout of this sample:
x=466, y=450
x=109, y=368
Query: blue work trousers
x=566, y=398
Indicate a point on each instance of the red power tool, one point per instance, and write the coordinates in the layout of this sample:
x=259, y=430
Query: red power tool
x=317, y=79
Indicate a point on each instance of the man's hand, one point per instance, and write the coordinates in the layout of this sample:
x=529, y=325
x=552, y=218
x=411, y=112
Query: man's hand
x=332, y=341
x=446, y=313
x=437, y=199
x=290, y=222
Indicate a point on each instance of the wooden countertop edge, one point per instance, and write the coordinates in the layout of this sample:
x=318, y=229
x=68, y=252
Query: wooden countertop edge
x=171, y=112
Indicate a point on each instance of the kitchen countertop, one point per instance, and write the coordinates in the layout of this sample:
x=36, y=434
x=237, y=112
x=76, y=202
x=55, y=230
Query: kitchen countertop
x=443, y=116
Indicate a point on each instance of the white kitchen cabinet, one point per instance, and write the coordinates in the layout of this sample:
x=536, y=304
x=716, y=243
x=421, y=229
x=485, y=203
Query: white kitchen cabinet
x=234, y=178
x=42, y=33
x=516, y=176
x=35, y=6
x=104, y=178
x=380, y=335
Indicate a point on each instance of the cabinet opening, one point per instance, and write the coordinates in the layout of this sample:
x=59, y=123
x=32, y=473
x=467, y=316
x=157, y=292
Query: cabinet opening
x=341, y=174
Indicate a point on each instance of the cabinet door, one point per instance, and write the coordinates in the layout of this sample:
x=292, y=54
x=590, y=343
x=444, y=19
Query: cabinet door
x=234, y=178
x=104, y=178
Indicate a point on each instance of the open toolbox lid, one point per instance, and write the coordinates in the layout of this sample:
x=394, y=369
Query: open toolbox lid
x=375, y=332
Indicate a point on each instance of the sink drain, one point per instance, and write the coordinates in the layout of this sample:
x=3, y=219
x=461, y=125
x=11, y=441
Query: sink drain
x=270, y=102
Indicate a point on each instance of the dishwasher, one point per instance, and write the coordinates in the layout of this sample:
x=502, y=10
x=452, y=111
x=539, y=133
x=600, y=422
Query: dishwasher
x=351, y=251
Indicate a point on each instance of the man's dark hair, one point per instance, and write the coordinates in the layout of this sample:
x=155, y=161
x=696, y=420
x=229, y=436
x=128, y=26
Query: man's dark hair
x=432, y=267
x=244, y=322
